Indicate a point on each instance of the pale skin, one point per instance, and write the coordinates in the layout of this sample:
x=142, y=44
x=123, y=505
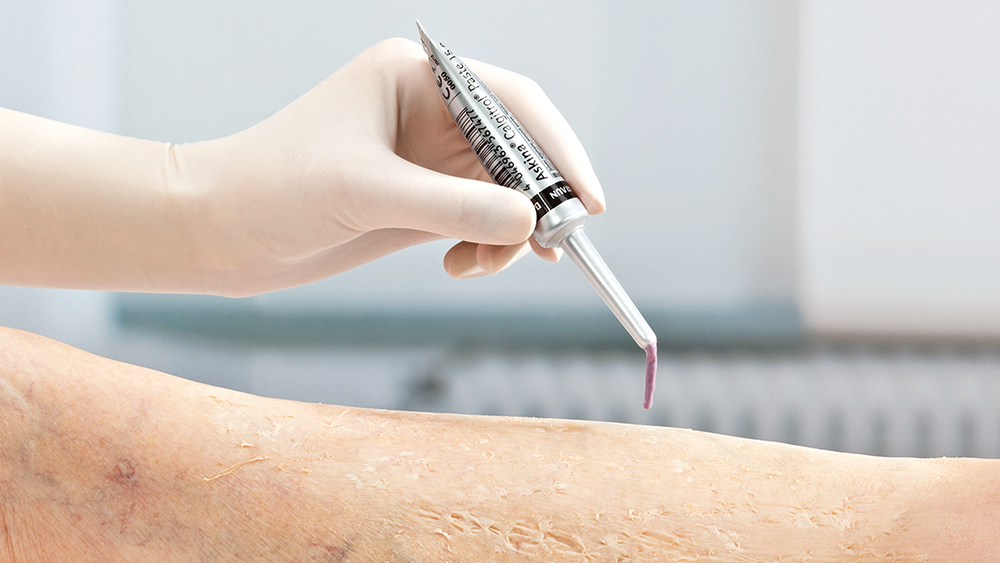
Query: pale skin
x=104, y=461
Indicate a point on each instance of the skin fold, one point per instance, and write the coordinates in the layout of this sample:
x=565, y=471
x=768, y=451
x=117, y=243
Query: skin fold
x=104, y=461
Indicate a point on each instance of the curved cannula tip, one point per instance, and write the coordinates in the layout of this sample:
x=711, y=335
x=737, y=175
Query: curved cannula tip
x=650, y=374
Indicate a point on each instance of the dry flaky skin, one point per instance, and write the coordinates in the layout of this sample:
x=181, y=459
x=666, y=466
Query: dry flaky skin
x=103, y=461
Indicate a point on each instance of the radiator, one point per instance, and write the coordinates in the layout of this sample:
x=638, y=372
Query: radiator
x=899, y=401
x=886, y=400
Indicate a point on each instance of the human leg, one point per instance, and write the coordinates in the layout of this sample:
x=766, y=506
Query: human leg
x=105, y=461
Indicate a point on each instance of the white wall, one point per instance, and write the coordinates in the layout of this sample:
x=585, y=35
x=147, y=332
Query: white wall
x=687, y=110
x=60, y=59
x=872, y=201
x=900, y=145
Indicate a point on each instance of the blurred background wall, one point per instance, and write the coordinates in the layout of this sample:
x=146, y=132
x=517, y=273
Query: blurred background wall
x=802, y=199
x=899, y=187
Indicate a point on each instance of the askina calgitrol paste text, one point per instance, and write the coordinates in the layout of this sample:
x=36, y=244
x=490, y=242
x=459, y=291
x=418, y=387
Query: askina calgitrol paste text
x=512, y=159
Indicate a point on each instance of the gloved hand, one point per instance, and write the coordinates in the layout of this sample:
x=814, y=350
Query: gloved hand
x=367, y=163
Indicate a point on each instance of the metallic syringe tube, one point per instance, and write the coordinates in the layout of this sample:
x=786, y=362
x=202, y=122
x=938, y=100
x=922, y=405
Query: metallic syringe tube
x=579, y=248
x=513, y=159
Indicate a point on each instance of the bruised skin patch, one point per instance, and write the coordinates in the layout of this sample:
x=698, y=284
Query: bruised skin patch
x=128, y=498
x=331, y=553
x=124, y=473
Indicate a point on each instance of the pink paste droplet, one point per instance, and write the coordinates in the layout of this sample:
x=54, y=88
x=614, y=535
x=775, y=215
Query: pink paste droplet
x=650, y=375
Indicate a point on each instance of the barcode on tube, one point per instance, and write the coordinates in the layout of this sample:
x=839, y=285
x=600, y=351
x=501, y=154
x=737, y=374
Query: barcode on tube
x=491, y=155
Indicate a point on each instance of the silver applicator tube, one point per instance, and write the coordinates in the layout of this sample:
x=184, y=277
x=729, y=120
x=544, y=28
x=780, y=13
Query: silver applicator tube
x=512, y=159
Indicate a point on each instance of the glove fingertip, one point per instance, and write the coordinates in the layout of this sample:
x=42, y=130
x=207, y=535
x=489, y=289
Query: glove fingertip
x=461, y=262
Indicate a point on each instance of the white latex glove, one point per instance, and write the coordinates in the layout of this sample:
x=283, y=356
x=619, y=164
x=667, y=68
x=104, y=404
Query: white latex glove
x=367, y=163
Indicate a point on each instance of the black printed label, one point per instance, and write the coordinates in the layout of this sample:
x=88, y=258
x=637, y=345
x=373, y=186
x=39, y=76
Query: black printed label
x=547, y=199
